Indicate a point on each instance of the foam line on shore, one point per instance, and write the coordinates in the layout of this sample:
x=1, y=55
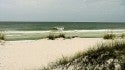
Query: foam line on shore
x=100, y=30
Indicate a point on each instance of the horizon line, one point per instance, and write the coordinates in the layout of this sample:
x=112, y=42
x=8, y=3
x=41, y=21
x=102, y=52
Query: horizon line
x=70, y=21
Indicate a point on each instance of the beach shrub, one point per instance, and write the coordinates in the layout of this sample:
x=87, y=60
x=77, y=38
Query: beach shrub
x=53, y=37
x=63, y=61
x=2, y=36
x=122, y=36
x=109, y=36
x=106, y=56
x=61, y=36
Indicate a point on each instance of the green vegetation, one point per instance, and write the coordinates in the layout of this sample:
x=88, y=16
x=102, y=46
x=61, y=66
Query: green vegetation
x=114, y=36
x=53, y=37
x=106, y=56
x=109, y=36
x=122, y=36
x=2, y=36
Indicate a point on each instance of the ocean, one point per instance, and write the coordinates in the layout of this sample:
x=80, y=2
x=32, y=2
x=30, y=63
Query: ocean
x=39, y=30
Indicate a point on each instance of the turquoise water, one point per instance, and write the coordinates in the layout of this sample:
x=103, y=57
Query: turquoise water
x=40, y=26
x=38, y=30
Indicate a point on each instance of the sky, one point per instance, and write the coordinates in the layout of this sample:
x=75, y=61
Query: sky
x=63, y=10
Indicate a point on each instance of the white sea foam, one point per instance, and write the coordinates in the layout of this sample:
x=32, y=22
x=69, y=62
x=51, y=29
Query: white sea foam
x=41, y=34
x=26, y=31
x=101, y=30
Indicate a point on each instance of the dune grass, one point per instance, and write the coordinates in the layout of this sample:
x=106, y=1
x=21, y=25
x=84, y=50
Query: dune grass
x=53, y=37
x=94, y=57
x=2, y=36
x=122, y=35
x=109, y=36
x=114, y=36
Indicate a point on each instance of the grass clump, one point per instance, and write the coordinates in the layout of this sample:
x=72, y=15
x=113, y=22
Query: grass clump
x=106, y=56
x=122, y=36
x=63, y=60
x=61, y=36
x=53, y=37
x=109, y=36
x=2, y=36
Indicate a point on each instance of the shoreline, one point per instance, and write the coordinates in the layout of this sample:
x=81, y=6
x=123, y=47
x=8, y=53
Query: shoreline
x=35, y=35
x=33, y=54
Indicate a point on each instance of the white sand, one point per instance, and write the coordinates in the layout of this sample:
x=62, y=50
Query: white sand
x=28, y=55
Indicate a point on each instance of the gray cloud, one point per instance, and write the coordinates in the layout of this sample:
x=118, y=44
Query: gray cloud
x=62, y=10
x=122, y=2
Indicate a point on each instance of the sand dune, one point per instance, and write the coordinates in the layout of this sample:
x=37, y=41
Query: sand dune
x=33, y=54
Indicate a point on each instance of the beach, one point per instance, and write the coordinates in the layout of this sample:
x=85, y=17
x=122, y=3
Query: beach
x=62, y=35
x=32, y=45
x=33, y=54
x=38, y=30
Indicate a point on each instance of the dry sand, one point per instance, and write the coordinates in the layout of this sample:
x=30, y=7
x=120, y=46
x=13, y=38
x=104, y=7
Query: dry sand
x=33, y=54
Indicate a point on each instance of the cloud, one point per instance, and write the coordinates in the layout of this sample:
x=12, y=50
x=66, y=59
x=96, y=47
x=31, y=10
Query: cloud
x=62, y=10
x=26, y=3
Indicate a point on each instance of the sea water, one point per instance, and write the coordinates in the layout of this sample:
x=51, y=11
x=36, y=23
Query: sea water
x=39, y=30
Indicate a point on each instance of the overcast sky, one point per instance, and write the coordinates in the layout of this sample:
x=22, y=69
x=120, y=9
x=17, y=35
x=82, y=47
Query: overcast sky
x=63, y=10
